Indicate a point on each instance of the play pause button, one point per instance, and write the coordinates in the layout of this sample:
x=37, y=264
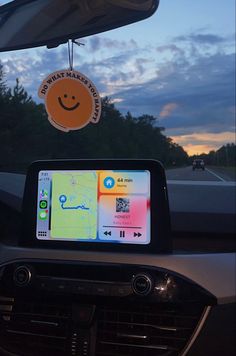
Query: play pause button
x=122, y=233
x=137, y=234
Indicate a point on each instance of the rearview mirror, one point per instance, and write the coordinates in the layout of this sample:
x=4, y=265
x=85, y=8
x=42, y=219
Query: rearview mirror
x=33, y=23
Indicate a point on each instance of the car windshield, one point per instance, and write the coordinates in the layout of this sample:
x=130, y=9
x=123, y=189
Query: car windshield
x=168, y=93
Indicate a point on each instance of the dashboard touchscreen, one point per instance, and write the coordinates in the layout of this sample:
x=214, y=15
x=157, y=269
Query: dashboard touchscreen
x=102, y=206
x=98, y=205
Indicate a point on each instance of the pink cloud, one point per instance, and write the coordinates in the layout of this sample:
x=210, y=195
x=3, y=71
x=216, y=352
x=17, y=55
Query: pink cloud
x=168, y=109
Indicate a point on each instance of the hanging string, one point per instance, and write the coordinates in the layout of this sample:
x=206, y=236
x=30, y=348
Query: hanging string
x=71, y=52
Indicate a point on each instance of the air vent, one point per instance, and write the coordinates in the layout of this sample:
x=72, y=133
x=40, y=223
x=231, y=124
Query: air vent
x=154, y=330
x=37, y=328
x=42, y=326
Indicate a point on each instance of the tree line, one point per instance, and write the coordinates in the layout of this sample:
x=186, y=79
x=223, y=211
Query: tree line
x=26, y=135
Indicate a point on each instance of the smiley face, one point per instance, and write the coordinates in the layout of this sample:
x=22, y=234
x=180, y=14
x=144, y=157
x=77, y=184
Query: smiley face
x=66, y=107
x=69, y=104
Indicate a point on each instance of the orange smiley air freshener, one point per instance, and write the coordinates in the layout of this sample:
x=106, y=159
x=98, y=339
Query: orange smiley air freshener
x=71, y=100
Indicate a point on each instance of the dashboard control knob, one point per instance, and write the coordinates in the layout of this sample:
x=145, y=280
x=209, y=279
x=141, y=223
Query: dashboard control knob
x=22, y=276
x=142, y=284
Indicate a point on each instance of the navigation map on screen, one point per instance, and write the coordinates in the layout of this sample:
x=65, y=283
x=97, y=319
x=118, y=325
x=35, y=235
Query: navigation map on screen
x=94, y=206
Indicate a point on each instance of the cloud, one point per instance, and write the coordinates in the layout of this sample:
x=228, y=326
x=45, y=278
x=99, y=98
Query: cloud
x=172, y=48
x=32, y=66
x=116, y=100
x=109, y=73
x=97, y=43
x=204, y=91
x=188, y=82
x=206, y=138
x=207, y=38
x=168, y=109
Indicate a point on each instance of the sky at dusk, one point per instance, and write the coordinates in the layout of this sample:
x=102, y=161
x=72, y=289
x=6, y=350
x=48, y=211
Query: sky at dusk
x=178, y=65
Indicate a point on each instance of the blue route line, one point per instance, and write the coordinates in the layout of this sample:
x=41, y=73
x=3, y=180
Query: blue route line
x=82, y=207
x=63, y=199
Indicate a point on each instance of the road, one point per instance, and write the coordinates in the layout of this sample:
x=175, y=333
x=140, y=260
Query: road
x=187, y=174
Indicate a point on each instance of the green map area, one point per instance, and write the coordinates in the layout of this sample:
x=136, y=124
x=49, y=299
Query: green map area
x=74, y=205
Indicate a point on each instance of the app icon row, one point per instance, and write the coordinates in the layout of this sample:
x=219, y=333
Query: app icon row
x=43, y=204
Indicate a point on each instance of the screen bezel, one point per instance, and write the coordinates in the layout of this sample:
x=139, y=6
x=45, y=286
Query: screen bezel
x=159, y=207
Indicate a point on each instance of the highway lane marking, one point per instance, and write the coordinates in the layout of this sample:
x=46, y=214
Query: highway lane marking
x=202, y=182
x=216, y=175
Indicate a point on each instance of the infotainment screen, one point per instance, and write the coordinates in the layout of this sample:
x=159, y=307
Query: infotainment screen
x=95, y=206
x=109, y=205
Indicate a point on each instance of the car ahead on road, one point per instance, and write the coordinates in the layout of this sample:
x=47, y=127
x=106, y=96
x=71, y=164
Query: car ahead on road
x=68, y=302
x=198, y=164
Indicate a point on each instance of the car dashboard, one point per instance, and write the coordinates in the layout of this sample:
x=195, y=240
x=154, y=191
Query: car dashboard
x=71, y=302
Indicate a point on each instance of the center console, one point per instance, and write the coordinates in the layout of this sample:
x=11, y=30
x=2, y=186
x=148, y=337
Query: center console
x=62, y=307
x=97, y=309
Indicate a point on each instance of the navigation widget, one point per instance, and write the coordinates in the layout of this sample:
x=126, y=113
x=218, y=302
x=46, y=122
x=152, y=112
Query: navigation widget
x=124, y=182
x=74, y=205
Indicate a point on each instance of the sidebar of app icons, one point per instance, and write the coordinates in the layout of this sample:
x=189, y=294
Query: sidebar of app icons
x=43, y=205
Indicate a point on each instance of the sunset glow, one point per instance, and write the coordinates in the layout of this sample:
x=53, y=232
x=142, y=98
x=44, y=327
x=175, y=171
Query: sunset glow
x=203, y=142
